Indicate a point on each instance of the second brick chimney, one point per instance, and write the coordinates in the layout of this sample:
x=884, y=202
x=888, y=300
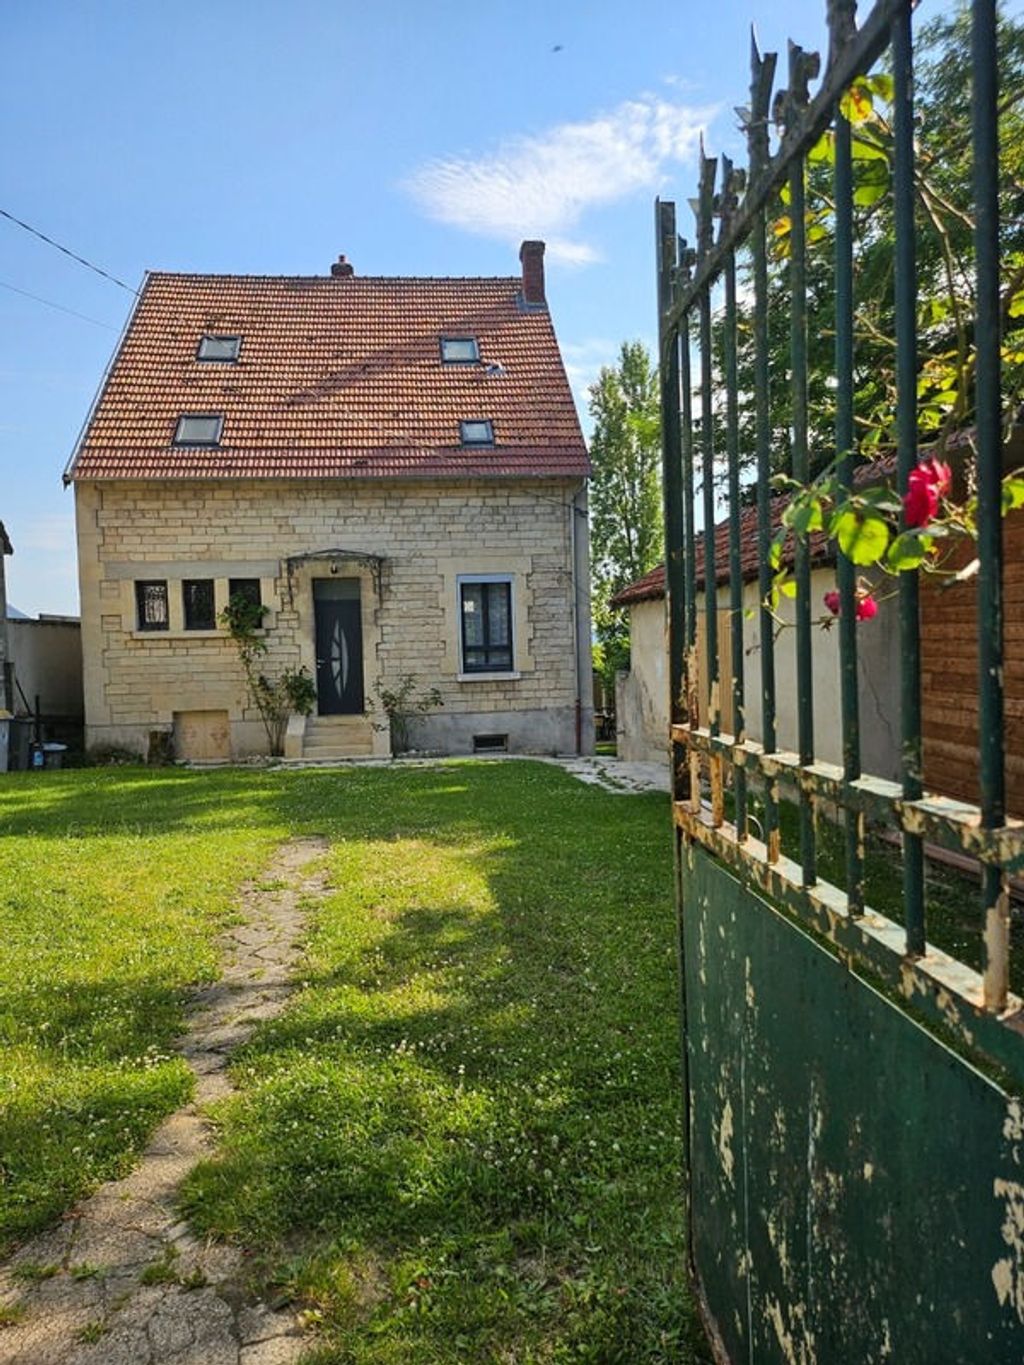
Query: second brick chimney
x=341, y=268
x=531, y=254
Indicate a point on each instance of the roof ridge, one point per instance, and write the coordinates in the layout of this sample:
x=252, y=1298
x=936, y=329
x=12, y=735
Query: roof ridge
x=348, y=280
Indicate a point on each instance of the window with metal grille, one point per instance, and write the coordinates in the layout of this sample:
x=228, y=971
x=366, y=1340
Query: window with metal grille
x=477, y=432
x=151, y=605
x=459, y=350
x=485, y=609
x=197, y=600
x=222, y=348
x=198, y=429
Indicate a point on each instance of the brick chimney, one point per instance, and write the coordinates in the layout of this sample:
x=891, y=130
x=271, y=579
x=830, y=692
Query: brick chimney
x=531, y=254
x=341, y=268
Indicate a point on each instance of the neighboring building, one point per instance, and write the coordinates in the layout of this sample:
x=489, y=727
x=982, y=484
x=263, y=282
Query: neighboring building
x=949, y=668
x=949, y=664
x=6, y=679
x=46, y=659
x=642, y=694
x=393, y=467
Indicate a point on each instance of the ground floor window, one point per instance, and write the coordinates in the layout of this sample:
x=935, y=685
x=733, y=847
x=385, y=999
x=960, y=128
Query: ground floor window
x=248, y=589
x=151, y=604
x=197, y=600
x=485, y=611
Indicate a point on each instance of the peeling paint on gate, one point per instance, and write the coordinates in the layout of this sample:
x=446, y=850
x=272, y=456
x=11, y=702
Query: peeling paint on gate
x=857, y=1187
x=1008, y=1272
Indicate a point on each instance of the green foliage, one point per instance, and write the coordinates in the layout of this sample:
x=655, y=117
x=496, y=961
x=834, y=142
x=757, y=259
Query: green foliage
x=945, y=224
x=401, y=705
x=275, y=698
x=625, y=493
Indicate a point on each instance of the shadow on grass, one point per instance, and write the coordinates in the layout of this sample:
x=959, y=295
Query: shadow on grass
x=468, y=1118
x=473, y=1106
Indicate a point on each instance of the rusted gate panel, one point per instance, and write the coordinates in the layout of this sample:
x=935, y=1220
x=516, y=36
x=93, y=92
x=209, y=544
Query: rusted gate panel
x=854, y=1124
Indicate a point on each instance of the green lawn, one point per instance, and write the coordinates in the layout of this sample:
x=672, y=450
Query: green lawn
x=461, y=1142
x=112, y=887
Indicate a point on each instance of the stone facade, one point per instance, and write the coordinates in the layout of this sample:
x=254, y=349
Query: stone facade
x=406, y=542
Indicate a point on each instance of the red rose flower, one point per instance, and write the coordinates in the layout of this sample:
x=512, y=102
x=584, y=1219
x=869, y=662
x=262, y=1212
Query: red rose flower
x=867, y=607
x=928, y=483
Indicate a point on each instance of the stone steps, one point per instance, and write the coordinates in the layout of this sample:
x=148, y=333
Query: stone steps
x=330, y=737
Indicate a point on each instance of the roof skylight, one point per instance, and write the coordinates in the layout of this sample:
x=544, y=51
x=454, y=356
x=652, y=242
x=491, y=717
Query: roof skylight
x=198, y=429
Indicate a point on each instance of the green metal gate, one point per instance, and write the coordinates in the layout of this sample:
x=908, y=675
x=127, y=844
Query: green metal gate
x=855, y=1140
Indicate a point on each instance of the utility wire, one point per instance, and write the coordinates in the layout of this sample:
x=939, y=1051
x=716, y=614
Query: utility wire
x=50, y=304
x=80, y=259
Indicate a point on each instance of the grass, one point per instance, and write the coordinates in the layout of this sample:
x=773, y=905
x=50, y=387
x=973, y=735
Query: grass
x=112, y=889
x=461, y=1141
x=953, y=914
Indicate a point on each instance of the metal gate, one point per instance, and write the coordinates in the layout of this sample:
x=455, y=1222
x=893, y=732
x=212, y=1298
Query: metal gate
x=855, y=1141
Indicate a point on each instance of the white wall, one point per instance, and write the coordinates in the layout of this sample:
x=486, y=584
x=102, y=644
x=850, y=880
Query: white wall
x=642, y=694
x=47, y=658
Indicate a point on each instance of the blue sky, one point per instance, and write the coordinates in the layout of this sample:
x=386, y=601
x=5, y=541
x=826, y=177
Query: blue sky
x=256, y=137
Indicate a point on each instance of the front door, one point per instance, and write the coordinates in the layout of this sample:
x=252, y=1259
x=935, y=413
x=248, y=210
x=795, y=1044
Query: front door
x=339, y=646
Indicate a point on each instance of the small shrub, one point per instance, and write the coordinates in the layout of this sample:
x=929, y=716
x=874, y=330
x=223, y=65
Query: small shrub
x=275, y=699
x=400, y=705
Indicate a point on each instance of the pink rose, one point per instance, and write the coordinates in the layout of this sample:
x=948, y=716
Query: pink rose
x=867, y=607
x=927, y=485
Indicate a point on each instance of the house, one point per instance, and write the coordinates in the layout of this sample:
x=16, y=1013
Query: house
x=393, y=468
x=642, y=701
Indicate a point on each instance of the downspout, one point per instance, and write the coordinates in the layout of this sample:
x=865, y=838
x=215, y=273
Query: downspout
x=575, y=512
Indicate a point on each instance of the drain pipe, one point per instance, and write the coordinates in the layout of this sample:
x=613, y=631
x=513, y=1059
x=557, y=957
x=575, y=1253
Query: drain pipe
x=574, y=512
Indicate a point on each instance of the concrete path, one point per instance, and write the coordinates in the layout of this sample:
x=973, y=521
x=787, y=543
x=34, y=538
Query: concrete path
x=617, y=775
x=125, y=1282
x=613, y=774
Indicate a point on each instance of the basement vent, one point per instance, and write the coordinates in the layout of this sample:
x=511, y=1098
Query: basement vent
x=490, y=744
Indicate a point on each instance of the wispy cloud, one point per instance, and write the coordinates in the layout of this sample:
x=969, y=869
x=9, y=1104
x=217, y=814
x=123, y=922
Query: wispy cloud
x=543, y=185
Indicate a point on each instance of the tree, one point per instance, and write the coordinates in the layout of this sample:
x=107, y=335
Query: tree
x=625, y=494
x=944, y=214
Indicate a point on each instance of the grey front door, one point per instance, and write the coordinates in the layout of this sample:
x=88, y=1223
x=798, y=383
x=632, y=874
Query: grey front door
x=339, y=646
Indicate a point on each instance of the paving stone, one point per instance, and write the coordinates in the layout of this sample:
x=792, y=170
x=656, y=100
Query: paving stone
x=212, y=1087
x=170, y=1328
x=257, y=1322
x=117, y=1346
x=276, y=1351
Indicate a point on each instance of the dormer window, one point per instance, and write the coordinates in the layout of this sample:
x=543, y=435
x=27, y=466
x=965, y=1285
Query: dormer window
x=477, y=433
x=222, y=348
x=198, y=429
x=459, y=351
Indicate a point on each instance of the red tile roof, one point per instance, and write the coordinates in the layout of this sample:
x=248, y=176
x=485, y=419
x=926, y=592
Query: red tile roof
x=338, y=377
x=652, y=584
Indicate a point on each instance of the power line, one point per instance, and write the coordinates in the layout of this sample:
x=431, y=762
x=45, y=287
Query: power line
x=74, y=256
x=59, y=306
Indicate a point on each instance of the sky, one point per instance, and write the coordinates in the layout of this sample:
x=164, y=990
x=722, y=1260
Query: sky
x=419, y=137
